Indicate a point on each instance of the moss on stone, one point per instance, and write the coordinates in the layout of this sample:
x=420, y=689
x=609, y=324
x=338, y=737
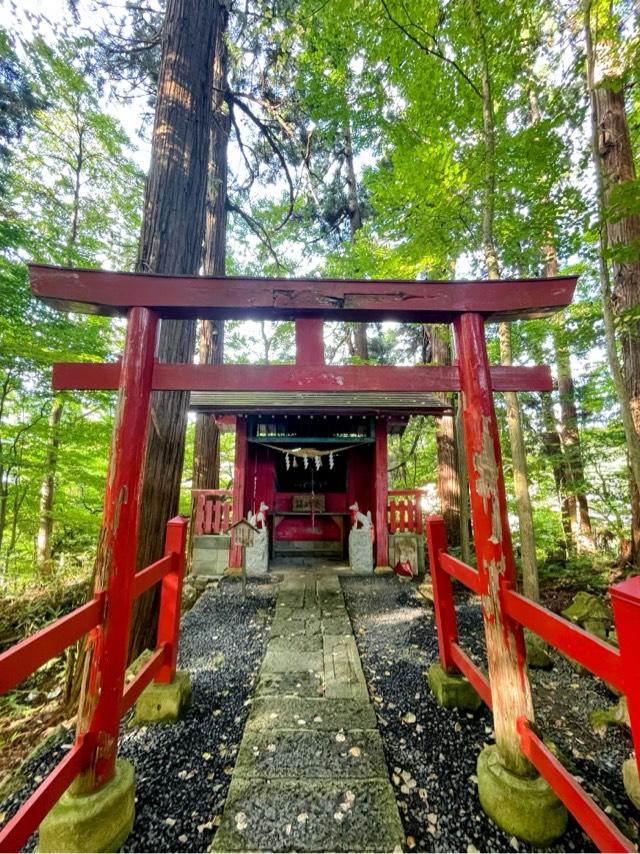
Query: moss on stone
x=631, y=781
x=99, y=821
x=452, y=690
x=164, y=703
x=525, y=807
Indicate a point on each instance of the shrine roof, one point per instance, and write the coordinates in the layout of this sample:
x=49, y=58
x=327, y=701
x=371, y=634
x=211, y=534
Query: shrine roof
x=109, y=293
x=364, y=402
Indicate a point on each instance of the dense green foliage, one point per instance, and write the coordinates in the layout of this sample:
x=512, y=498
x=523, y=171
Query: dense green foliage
x=391, y=87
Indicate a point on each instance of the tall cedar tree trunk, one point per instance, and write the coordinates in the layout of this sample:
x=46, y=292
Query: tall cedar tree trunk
x=358, y=330
x=45, y=518
x=206, y=452
x=170, y=243
x=620, y=236
x=514, y=420
x=566, y=458
x=447, y=451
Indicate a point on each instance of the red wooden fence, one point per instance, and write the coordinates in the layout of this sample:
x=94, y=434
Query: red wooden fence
x=404, y=511
x=620, y=667
x=213, y=511
x=26, y=657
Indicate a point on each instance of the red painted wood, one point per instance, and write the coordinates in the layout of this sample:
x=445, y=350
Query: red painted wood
x=208, y=517
x=99, y=712
x=472, y=672
x=295, y=378
x=309, y=341
x=443, y=602
x=239, y=484
x=104, y=292
x=151, y=575
x=625, y=598
x=26, y=657
x=506, y=655
x=171, y=596
x=584, y=809
x=470, y=577
x=381, y=494
x=227, y=519
x=27, y=819
x=596, y=655
x=143, y=677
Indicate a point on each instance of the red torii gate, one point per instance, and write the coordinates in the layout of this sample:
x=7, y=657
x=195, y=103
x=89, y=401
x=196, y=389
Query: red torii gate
x=146, y=299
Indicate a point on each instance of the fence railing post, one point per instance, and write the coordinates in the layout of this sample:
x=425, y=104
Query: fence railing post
x=171, y=596
x=625, y=598
x=443, y=601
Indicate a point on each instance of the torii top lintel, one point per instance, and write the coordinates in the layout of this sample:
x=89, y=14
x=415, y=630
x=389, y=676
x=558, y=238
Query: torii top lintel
x=103, y=292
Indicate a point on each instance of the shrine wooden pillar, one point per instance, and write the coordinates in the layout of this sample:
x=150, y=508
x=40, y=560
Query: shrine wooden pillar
x=381, y=494
x=510, y=690
x=107, y=644
x=239, y=484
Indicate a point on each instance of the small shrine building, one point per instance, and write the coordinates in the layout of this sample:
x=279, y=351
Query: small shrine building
x=308, y=458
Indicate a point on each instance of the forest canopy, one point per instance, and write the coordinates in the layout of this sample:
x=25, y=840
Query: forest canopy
x=350, y=138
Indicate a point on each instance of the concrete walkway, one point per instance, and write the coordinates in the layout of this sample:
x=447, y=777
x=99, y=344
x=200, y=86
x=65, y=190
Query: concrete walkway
x=311, y=773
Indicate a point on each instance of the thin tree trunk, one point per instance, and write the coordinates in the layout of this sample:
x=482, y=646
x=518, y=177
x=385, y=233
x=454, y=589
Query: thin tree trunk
x=447, y=450
x=619, y=236
x=206, y=452
x=45, y=517
x=514, y=420
x=359, y=330
x=569, y=468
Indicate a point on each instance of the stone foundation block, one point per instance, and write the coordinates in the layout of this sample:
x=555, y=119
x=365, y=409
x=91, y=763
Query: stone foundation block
x=631, y=781
x=452, y=690
x=164, y=703
x=99, y=821
x=525, y=807
x=537, y=656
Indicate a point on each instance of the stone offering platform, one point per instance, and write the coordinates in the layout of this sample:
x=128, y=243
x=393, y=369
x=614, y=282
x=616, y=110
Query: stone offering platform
x=311, y=773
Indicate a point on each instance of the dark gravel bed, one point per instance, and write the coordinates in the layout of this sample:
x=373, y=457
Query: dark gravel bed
x=432, y=758
x=183, y=771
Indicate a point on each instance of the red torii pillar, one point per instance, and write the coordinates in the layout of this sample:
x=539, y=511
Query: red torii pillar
x=99, y=714
x=506, y=657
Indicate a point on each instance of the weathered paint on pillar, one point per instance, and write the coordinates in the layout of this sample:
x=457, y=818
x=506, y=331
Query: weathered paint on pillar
x=309, y=341
x=625, y=598
x=510, y=690
x=239, y=482
x=381, y=493
x=99, y=715
x=443, y=601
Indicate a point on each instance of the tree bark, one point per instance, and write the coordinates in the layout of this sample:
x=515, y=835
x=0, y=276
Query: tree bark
x=206, y=452
x=359, y=330
x=447, y=450
x=45, y=518
x=620, y=236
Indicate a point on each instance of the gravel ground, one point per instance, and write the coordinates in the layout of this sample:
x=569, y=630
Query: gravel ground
x=433, y=758
x=183, y=771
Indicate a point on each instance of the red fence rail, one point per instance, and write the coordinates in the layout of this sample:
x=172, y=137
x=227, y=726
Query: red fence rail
x=26, y=657
x=404, y=511
x=213, y=511
x=619, y=667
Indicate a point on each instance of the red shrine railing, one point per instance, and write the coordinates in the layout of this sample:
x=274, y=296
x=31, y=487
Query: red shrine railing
x=619, y=667
x=213, y=511
x=26, y=657
x=404, y=511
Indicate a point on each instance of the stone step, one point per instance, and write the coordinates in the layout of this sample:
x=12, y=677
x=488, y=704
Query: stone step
x=283, y=713
x=295, y=815
x=309, y=754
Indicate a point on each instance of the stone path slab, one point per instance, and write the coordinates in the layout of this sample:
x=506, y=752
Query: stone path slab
x=310, y=773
